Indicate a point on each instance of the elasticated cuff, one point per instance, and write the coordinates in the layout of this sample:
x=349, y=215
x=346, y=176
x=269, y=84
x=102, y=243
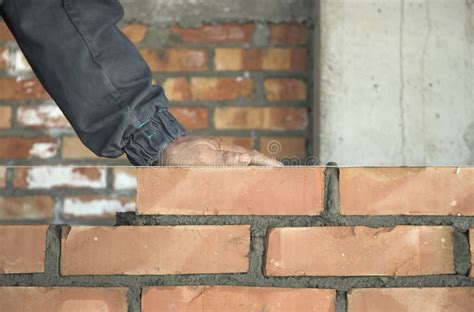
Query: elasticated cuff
x=148, y=142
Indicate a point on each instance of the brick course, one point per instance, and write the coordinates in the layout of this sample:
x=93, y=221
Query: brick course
x=234, y=239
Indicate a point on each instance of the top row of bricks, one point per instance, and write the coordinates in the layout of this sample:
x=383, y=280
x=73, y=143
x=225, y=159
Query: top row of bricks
x=301, y=191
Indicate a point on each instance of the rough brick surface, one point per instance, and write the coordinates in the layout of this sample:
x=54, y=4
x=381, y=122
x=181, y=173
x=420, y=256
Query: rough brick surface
x=224, y=33
x=342, y=251
x=23, y=89
x=230, y=191
x=125, y=178
x=285, y=89
x=237, y=299
x=220, y=89
x=26, y=148
x=3, y=177
x=41, y=116
x=58, y=299
x=176, y=60
x=37, y=207
x=275, y=59
x=5, y=117
x=411, y=300
x=4, y=58
x=73, y=148
x=289, y=33
x=275, y=118
x=60, y=177
x=192, y=117
x=5, y=33
x=407, y=191
x=136, y=32
x=283, y=147
x=22, y=248
x=156, y=250
x=177, y=89
x=96, y=207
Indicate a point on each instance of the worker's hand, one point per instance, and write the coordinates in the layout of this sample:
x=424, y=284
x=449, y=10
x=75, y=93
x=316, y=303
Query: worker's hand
x=202, y=151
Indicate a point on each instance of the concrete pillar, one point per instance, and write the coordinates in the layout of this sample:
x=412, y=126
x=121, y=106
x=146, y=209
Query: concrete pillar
x=397, y=82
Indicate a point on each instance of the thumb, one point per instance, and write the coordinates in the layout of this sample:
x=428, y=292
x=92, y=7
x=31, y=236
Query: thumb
x=235, y=159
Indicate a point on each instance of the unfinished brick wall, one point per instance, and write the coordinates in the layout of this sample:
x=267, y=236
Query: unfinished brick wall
x=249, y=83
x=259, y=239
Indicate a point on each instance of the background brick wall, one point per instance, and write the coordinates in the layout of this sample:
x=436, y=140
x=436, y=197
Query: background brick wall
x=339, y=239
x=249, y=83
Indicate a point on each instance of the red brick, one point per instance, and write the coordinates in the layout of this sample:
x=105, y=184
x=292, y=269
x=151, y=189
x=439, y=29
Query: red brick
x=125, y=178
x=22, y=248
x=177, y=89
x=271, y=118
x=343, y=251
x=73, y=148
x=96, y=206
x=223, y=33
x=220, y=89
x=17, y=63
x=52, y=177
x=283, y=147
x=41, y=116
x=407, y=191
x=230, y=191
x=289, y=33
x=156, y=250
x=276, y=59
x=12, y=88
x=63, y=299
x=5, y=117
x=452, y=299
x=22, y=148
x=4, y=57
x=5, y=33
x=136, y=32
x=285, y=89
x=3, y=176
x=231, y=298
x=176, y=60
x=471, y=240
x=238, y=59
x=37, y=207
x=192, y=117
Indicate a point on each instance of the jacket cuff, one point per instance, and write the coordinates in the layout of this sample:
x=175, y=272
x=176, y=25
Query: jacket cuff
x=146, y=145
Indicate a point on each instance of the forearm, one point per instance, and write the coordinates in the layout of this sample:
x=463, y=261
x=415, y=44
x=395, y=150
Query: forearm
x=95, y=74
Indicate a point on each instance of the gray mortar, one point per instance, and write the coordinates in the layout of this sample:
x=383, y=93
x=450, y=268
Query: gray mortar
x=134, y=299
x=196, y=12
x=255, y=276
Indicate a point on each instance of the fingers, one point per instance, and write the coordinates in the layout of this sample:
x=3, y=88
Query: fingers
x=235, y=159
x=258, y=159
x=224, y=146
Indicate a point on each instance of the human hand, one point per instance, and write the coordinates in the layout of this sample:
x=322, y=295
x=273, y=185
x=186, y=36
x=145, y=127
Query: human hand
x=203, y=151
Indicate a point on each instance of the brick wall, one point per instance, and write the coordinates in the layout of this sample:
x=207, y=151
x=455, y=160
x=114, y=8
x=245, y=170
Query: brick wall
x=258, y=239
x=249, y=83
